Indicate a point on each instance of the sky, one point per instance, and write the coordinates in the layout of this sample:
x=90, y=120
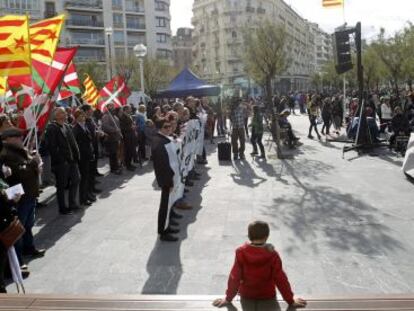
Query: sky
x=373, y=14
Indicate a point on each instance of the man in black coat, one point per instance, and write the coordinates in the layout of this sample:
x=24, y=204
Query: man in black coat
x=25, y=171
x=84, y=140
x=95, y=133
x=65, y=156
x=164, y=175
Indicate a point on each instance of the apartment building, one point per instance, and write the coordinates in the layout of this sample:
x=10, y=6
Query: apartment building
x=218, y=42
x=182, y=44
x=323, y=47
x=105, y=29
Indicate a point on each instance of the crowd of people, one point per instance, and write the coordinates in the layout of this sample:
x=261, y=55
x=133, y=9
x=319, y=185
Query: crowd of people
x=172, y=134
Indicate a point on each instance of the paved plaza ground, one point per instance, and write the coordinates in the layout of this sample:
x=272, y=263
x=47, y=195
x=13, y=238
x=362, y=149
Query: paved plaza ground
x=342, y=226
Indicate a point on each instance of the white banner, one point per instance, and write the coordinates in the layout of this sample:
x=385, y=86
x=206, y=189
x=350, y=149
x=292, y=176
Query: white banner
x=182, y=155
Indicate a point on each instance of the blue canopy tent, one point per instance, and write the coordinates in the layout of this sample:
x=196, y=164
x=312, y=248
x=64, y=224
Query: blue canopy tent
x=186, y=83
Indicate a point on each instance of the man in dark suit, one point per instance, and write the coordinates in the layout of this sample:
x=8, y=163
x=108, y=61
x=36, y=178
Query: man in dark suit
x=64, y=154
x=95, y=133
x=84, y=140
x=164, y=175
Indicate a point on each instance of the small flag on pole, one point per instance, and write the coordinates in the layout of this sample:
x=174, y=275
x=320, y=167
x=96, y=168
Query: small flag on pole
x=332, y=3
x=91, y=94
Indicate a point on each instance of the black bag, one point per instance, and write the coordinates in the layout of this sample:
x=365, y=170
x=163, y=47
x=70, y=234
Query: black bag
x=224, y=151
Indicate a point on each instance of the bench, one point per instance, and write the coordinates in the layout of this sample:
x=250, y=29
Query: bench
x=13, y=302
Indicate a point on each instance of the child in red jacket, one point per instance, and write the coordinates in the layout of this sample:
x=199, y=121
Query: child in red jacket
x=257, y=271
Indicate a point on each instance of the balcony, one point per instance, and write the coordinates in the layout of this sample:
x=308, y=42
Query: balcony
x=84, y=23
x=84, y=4
x=91, y=58
x=135, y=25
x=86, y=41
x=134, y=9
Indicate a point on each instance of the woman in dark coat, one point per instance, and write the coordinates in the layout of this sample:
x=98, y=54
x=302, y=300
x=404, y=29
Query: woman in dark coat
x=326, y=116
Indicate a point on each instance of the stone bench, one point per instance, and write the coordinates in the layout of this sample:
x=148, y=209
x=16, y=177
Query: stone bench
x=12, y=302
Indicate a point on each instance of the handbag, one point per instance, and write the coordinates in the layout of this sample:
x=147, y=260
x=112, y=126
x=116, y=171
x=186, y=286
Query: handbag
x=12, y=233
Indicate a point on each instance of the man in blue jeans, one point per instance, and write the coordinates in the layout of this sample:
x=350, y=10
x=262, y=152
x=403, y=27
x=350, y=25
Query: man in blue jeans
x=25, y=171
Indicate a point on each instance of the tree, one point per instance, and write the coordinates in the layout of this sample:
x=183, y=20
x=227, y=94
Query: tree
x=265, y=53
x=265, y=57
x=374, y=70
x=157, y=73
x=391, y=52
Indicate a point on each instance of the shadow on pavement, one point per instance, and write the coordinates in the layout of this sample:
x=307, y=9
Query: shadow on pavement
x=321, y=213
x=164, y=263
x=245, y=175
x=55, y=226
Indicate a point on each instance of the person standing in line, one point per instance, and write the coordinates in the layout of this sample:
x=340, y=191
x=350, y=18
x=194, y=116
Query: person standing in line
x=64, y=154
x=237, y=118
x=129, y=137
x=140, y=120
x=257, y=132
x=111, y=127
x=164, y=175
x=84, y=140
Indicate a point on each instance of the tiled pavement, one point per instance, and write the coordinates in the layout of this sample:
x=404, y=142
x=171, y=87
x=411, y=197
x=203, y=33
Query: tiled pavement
x=341, y=226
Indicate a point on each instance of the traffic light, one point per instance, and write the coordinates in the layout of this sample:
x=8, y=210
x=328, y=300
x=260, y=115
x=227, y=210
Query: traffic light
x=343, y=51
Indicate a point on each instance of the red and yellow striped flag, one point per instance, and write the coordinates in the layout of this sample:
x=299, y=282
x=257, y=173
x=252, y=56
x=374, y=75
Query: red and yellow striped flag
x=44, y=37
x=15, y=57
x=3, y=85
x=91, y=94
x=332, y=3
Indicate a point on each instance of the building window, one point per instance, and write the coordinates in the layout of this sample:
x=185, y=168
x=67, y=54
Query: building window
x=162, y=53
x=134, y=39
x=162, y=38
x=117, y=5
x=161, y=5
x=118, y=20
x=234, y=34
x=161, y=22
x=119, y=38
x=135, y=22
x=135, y=6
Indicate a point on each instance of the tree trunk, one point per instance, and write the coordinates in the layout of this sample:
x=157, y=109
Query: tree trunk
x=275, y=117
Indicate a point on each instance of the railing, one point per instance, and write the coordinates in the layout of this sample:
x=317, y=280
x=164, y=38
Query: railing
x=131, y=25
x=90, y=41
x=92, y=58
x=134, y=8
x=84, y=23
x=92, y=4
x=175, y=302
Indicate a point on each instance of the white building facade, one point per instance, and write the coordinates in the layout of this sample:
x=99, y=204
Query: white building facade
x=218, y=42
x=129, y=22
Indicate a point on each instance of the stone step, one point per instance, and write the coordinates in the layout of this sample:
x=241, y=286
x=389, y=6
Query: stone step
x=13, y=302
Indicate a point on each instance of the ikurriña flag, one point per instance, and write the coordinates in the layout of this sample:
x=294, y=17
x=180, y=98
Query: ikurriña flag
x=332, y=3
x=47, y=77
x=115, y=92
x=15, y=56
x=70, y=85
x=91, y=94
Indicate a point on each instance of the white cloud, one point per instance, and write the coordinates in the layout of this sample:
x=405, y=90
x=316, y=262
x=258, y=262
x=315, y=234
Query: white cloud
x=373, y=14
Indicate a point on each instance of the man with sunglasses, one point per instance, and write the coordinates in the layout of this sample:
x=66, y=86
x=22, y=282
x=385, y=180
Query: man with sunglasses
x=164, y=175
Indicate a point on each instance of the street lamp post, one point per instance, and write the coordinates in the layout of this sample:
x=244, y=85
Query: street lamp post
x=140, y=52
x=108, y=32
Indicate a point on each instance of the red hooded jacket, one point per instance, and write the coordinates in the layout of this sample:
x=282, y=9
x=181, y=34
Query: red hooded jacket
x=256, y=273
